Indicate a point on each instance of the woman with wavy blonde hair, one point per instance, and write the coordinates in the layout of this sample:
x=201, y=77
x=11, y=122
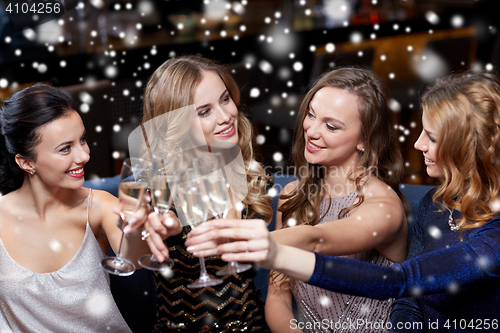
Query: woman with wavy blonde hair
x=451, y=279
x=179, y=91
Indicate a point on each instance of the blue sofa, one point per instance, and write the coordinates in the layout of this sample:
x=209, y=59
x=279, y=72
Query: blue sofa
x=136, y=295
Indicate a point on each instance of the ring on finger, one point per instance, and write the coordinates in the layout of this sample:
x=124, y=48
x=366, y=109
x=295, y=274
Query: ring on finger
x=144, y=235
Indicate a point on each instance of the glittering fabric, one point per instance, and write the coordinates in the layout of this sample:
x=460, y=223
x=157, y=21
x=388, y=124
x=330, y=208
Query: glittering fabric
x=315, y=305
x=445, y=285
x=75, y=298
x=235, y=305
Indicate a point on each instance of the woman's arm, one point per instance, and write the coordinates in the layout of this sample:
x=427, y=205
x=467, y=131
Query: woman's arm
x=133, y=246
x=279, y=312
x=379, y=222
x=469, y=262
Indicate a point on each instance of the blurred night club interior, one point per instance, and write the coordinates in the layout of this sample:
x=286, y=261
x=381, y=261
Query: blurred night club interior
x=104, y=51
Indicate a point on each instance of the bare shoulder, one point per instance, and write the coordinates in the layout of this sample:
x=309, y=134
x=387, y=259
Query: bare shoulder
x=102, y=203
x=377, y=190
x=380, y=196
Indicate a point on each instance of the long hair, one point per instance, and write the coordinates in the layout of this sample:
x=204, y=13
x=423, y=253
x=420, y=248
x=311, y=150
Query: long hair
x=381, y=157
x=464, y=109
x=172, y=87
x=21, y=117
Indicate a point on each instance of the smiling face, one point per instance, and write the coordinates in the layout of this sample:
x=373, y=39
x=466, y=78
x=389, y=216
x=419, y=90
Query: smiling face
x=217, y=113
x=426, y=143
x=332, y=129
x=62, y=152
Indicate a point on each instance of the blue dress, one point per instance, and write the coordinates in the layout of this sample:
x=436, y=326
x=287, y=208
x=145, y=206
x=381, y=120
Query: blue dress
x=445, y=285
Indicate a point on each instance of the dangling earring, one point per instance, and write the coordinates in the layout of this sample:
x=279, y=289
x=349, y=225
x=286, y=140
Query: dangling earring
x=32, y=172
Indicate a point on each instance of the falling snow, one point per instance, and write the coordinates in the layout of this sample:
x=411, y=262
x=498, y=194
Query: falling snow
x=435, y=232
x=272, y=192
x=97, y=304
x=325, y=301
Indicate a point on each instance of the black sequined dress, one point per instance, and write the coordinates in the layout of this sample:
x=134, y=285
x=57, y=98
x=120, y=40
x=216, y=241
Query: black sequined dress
x=235, y=305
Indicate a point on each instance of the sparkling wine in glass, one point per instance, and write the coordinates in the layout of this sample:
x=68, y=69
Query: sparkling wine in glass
x=163, y=186
x=194, y=206
x=216, y=186
x=133, y=184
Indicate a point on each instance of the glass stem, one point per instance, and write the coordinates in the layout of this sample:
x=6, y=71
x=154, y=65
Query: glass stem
x=119, y=256
x=203, y=270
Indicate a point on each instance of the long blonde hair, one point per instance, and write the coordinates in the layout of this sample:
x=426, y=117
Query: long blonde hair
x=464, y=109
x=172, y=87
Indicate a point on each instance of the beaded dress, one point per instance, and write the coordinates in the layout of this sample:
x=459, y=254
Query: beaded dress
x=317, y=306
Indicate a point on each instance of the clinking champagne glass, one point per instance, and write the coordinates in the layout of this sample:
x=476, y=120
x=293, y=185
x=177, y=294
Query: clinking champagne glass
x=216, y=186
x=163, y=184
x=195, y=209
x=133, y=184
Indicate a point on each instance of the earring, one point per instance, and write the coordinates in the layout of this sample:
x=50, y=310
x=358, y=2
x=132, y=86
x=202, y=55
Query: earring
x=32, y=172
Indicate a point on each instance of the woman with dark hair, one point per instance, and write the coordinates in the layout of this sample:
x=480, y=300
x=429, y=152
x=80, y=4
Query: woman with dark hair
x=451, y=279
x=179, y=90
x=53, y=232
x=349, y=167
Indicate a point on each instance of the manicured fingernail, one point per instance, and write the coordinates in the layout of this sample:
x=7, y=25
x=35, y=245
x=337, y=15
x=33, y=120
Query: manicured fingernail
x=190, y=248
x=187, y=243
x=132, y=220
x=127, y=230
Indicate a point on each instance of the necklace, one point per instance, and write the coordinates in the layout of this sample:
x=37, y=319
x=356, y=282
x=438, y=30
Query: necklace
x=452, y=224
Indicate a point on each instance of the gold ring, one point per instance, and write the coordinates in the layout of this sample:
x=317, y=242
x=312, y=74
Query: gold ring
x=144, y=235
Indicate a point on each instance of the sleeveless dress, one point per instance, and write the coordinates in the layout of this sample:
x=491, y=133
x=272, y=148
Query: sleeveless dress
x=75, y=298
x=321, y=310
x=235, y=305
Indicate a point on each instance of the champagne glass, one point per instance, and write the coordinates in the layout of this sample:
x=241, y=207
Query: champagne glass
x=133, y=184
x=195, y=209
x=216, y=186
x=163, y=185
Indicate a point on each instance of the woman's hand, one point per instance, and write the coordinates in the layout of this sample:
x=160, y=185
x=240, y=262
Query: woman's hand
x=159, y=228
x=250, y=241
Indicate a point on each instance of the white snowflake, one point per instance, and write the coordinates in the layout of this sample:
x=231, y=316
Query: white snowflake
x=325, y=301
x=98, y=304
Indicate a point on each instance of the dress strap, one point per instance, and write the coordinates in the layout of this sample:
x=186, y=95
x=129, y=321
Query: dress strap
x=88, y=204
x=367, y=179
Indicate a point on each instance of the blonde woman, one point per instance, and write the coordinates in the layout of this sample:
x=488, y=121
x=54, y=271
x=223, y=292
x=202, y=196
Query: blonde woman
x=236, y=304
